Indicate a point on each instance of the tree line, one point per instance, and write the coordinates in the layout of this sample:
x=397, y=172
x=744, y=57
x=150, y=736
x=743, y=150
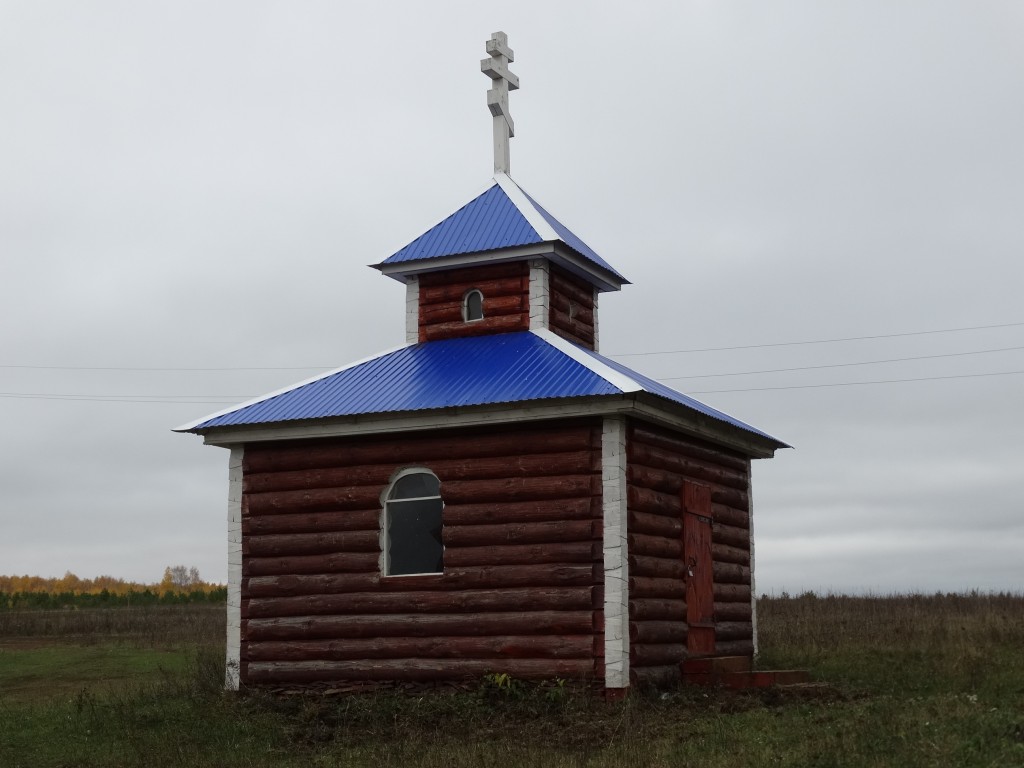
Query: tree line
x=179, y=585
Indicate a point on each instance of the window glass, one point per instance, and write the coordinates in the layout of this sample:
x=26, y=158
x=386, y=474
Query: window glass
x=413, y=542
x=473, y=306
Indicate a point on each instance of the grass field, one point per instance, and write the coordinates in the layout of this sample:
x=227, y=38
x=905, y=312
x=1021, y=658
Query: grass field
x=916, y=681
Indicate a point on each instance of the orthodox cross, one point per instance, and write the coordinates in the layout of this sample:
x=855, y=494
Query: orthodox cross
x=504, y=81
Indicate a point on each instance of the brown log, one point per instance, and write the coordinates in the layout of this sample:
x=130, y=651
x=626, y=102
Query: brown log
x=587, y=551
x=655, y=525
x=417, y=448
x=645, y=586
x=520, y=533
x=734, y=648
x=655, y=677
x=471, y=274
x=732, y=611
x=415, y=669
x=462, y=329
x=312, y=522
x=730, y=497
x=573, y=289
x=276, y=545
x=521, y=488
x=451, y=311
x=575, y=326
x=733, y=630
x=515, y=646
x=652, y=609
x=731, y=535
x=674, y=466
x=656, y=654
x=581, y=311
x=579, y=341
x=654, y=546
x=689, y=446
x=306, y=479
x=730, y=573
x=468, y=601
x=487, y=577
x=723, y=553
x=732, y=593
x=345, y=562
x=422, y=625
x=657, y=631
x=654, y=502
x=663, y=567
x=517, y=512
x=738, y=518
x=314, y=499
x=454, y=291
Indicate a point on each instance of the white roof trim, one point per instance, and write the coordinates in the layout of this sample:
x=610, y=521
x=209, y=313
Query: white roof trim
x=618, y=380
x=289, y=388
x=519, y=199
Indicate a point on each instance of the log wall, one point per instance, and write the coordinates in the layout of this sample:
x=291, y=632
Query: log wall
x=522, y=587
x=571, y=308
x=506, y=292
x=658, y=463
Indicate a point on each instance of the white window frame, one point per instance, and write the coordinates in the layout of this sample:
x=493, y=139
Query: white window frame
x=465, y=305
x=385, y=519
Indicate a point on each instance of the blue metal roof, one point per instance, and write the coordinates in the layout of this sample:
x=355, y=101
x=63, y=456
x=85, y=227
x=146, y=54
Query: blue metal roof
x=569, y=238
x=491, y=221
x=450, y=373
x=486, y=223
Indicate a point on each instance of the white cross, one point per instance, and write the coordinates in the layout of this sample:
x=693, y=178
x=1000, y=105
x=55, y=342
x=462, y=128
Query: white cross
x=496, y=68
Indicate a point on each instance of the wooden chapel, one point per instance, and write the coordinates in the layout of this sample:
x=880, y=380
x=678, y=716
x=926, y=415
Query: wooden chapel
x=494, y=496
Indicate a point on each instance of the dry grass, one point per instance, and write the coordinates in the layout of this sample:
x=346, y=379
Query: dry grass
x=149, y=625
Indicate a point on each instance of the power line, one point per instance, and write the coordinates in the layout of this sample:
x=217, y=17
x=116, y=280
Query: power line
x=858, y=383
x=817, y=341
x=189, y=399
x=841, y=365
x=623, y=354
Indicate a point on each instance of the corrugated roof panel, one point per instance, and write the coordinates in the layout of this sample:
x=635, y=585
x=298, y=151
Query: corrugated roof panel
x=657, y=388
x=486, y=223
x=571, y=239
x=505, y=368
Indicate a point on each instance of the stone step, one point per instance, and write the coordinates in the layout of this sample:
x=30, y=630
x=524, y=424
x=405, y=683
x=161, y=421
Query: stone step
x=715, y=665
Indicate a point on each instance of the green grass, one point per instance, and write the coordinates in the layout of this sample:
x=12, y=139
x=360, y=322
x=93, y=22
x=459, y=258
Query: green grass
x=918, y=681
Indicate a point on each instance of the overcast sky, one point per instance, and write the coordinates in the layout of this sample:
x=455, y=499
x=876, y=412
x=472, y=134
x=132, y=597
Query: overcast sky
x=188, y=186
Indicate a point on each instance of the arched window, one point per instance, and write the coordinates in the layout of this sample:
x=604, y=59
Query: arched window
x=473, y=306
x=412, y=524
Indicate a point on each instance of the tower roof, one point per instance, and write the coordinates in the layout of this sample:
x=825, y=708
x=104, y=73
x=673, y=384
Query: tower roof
x=503, y=223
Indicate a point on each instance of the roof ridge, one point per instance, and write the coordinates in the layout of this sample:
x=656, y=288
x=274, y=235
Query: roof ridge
x=585, y=358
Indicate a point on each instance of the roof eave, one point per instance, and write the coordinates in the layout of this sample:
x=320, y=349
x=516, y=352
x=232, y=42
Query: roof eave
x=640, y=405
x=555, y=251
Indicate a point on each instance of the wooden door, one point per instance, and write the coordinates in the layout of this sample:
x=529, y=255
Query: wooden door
x=700, y=597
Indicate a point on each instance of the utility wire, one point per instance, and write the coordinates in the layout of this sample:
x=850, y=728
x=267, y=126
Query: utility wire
x=858, y=383
x=816, y=341
x=841, y=365
x=623, y=354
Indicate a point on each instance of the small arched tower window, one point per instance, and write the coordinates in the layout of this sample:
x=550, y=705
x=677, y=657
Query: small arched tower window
x=412, y=524
x=473, y=306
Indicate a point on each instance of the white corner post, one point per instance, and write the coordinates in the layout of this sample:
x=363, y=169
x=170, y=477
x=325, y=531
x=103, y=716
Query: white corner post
x=597, y=335
x=412, y=310
x=234, y=607
x=750, y=531
x=540, y=294
x=616, y=562
x=503, y=81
